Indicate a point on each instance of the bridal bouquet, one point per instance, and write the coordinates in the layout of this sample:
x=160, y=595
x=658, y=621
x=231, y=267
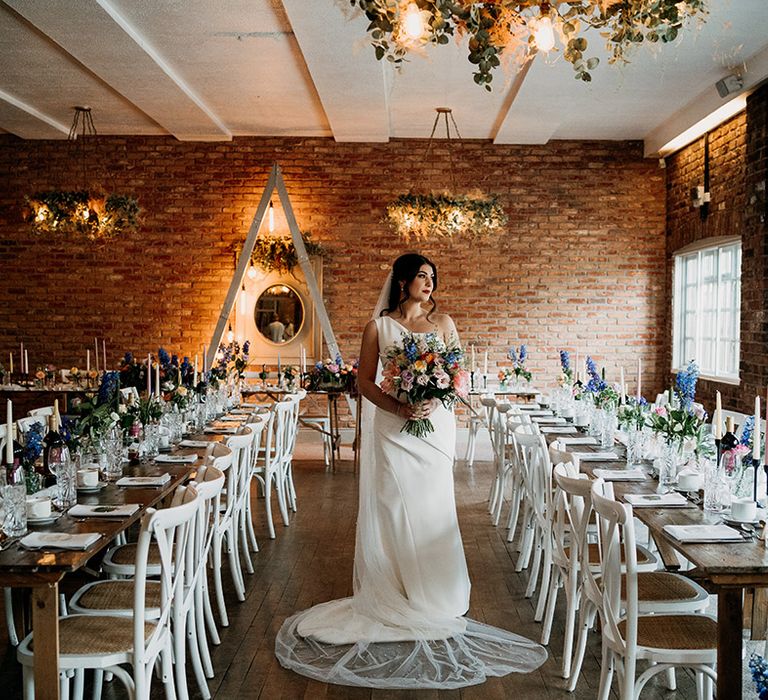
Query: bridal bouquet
x=423, y=367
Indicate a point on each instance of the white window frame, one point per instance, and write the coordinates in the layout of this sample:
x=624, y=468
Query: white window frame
x=679, y=362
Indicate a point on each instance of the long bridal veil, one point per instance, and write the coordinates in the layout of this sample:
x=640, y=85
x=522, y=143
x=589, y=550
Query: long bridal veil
x=376, y=638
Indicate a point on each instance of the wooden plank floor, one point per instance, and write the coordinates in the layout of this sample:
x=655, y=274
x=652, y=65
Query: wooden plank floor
x=311, y=562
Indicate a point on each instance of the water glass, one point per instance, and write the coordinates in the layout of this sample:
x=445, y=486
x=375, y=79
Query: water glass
x=151, y=440
x=608, y=425
x=65, y=494
x=717, y=490
x=13, y=505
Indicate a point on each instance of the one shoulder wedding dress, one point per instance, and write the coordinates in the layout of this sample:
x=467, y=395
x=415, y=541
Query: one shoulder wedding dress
x=404, y=626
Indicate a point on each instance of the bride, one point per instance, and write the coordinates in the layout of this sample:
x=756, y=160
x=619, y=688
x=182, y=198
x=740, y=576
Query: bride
x=404, y=626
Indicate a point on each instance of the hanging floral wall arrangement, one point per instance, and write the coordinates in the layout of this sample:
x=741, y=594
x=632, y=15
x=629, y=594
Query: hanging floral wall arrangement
x=279, y=253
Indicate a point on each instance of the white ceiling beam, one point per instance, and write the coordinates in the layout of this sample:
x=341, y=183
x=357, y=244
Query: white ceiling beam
x=128, y=63
x=348, y=78
x=15, y=118
x=754, y=72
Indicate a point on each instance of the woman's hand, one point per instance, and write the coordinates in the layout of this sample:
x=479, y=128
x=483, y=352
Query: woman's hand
x=418, y=411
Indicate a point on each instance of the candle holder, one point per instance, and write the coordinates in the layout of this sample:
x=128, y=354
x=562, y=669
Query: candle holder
x=755, y=467
x=472, y=380
x=485, y=382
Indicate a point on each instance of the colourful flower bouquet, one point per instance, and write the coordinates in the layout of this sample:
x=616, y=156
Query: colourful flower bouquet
x=518, y=358
x=425, y=368
x=333, y=375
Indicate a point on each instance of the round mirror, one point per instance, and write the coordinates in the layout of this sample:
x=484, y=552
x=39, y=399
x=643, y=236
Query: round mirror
x=279, y=314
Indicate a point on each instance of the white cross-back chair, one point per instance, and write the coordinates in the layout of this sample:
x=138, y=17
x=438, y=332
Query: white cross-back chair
x=42, y=412
x=477, y=422
x=109, y=642
x=666, y=639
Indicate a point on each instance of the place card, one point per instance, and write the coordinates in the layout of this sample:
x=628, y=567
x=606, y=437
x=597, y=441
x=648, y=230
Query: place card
x=703, y=533
x=220, y=431
x=618, y=474
x=576, y=440
x=656, y=500
x=176, y=459
x=59, y=540
x=595, y=456
x=195, y=443
x=106, y=511
x=157, y=480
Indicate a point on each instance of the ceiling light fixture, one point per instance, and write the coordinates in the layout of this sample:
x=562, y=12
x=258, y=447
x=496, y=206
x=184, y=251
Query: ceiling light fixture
x=92, y=213
x=429, y=215
x=519, y=29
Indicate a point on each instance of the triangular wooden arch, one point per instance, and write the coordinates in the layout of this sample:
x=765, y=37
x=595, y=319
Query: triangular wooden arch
x=275, y=182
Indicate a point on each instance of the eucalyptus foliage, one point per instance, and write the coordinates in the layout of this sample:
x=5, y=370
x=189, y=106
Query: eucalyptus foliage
x=506, y=26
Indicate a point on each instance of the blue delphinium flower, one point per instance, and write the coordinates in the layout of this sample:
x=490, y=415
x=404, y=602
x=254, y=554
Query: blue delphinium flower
x=410, y=349
x=565, y=361
x=685, y=384
x=595, y=383
x=246, y=348
x=128, y=358
x=746, y=431
x=163, y=357
x=512, y=355
x=523, y=355
x=108, y=389
x=339, y=361
x=33, y=444
x=68, y=429
x=759, y=667
x=175, y=360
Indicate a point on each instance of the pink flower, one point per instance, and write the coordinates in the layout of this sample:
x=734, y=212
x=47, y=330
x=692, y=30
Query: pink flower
x=442, y=380
x=422, y=380
x=461, y=383
x=660, y=410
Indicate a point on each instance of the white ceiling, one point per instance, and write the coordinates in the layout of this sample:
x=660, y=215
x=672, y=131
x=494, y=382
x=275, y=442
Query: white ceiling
x=213, y=69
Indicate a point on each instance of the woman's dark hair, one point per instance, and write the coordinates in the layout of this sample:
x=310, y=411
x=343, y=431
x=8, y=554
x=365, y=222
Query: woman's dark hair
x=405, y=269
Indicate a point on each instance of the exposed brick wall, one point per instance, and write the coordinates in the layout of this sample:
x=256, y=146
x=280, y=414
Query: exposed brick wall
x=737, y=166
x=581, y=263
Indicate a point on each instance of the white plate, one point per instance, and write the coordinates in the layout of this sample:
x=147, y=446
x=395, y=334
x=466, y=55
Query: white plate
x=47, y=520
x=92, y=489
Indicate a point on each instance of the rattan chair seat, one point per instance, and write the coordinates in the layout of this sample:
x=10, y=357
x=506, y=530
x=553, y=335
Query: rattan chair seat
x=96, y=634
x=125, y=554
x=117, y=595
x=661, y=585
x=692, y=632
x=643, y=556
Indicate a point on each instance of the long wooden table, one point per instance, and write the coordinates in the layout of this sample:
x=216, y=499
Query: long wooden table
x=725, y=569
x=42, y=570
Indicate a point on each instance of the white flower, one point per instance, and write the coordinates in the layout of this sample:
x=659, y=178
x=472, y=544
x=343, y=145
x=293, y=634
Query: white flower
x=122, y=409
x=422, y=380
x=689, y=445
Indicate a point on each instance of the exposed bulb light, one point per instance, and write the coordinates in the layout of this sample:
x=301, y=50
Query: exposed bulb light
x=412, y=22
x=230, y=334
x=544, y=34
x=271, y=218
x=252, y=271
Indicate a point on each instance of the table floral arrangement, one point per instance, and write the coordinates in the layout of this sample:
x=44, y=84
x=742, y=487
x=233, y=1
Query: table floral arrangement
x=232, y=358
x=759, y=668
x=682, y=427
x=33, y=448
x=634, y=414
x=334, y=375
x=518, y=370
x=424, y=367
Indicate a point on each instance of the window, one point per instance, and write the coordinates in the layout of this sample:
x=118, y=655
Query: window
x=706, y=308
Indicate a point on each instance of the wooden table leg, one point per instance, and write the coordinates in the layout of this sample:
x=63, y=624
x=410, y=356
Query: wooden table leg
x=45, y=623
x=729, y=629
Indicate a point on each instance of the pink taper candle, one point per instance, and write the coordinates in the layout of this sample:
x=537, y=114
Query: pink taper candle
x=9, y=432
x=756, y=443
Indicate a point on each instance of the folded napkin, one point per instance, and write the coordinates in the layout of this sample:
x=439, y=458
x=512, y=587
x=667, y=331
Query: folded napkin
x=575, y=440
x=554, y=420
x=59, y=540
x=220, y=431
x=157, y=480
x=656, y=500
x=116, y=511
x=595, y=456
x=194, y=443
x=234, y=419
x=616, y=474
x=703, y=533
x=176, y=459
x=536, y=412
x=556, y=430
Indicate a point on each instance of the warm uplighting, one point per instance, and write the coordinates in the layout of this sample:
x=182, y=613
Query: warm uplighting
x=701, y=127
x=544, y=34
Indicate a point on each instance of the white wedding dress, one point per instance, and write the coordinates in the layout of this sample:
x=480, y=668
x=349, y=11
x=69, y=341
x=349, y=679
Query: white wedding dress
x=403, y=627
